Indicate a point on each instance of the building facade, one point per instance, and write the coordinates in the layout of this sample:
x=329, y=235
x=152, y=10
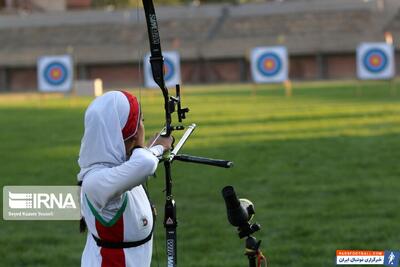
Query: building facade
x=214, y=41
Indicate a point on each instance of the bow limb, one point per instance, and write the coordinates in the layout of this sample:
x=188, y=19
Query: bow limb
x=157, y=59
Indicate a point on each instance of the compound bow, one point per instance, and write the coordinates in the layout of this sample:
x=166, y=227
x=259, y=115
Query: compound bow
x=171, y=103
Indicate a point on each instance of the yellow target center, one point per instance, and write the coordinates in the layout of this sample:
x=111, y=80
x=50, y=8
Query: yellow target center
x=56, y=73
x=375, y=61
x=269, y=64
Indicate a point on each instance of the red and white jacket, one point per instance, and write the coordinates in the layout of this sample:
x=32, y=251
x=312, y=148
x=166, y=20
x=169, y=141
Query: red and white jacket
x=114, y=203
x=116, y=210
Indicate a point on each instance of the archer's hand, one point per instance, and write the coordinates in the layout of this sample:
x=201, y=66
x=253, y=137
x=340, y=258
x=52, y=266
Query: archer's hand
x=166, y=142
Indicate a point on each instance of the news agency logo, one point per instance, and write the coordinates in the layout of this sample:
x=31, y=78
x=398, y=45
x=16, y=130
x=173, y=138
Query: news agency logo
x=367, y=257
x=37, y=201
x=19, y=200
x=41, y=203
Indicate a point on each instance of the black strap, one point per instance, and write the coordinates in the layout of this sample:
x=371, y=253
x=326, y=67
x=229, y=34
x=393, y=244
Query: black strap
x=82, y=223
x=132, y=244
x=118, y=245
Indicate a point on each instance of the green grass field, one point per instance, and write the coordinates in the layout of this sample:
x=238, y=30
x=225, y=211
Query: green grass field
x=321, y=167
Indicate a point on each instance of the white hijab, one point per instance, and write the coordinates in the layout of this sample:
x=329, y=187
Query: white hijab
x=102, y=144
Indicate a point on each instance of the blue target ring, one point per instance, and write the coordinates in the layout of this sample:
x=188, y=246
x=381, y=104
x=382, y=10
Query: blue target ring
x=55, y=73
x=375, y=60
x=269, y=64
x=169, y=69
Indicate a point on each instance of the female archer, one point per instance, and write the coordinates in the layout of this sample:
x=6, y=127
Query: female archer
x=114, y=163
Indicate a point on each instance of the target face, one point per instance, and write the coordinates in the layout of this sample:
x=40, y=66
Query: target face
x=55, y=73
x=375, y=61
x=171, y=70
x=269, y=64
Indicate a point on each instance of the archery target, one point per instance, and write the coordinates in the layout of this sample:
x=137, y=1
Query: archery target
x=269, y=64
x=55, y=73
x=172, y=73
x=375, y=61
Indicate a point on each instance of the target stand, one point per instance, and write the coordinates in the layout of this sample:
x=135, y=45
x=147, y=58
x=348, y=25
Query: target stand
x=270, y=65
x=375, y=61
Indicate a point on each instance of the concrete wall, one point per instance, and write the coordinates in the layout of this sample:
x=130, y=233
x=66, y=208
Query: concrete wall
x=21, y=79
x=116, y=76
x=304, y=68
x=340, y=66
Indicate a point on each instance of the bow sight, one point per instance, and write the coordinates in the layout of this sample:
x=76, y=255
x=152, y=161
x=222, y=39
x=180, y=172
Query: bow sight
x=175, y=101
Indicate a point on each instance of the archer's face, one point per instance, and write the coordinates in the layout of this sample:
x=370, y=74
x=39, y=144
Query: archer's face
x=136, y=140
x=140, y=134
